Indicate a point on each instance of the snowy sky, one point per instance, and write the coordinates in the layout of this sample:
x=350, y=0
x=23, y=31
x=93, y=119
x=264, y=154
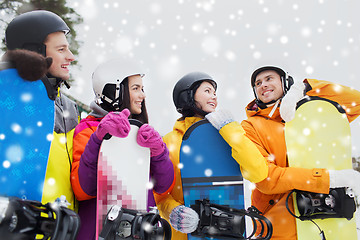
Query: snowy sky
x=227, y=39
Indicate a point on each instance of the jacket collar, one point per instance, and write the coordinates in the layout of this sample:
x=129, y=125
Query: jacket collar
x=181, y=125
x=253, y=110
x=96, y=110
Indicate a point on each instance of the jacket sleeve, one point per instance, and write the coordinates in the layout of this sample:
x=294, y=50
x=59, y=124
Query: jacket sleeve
x=169, y=200
x=283, y=179
x=347, y=97
x=84, y=168
x=252, y=164
x=162, y=172
x=165, y=204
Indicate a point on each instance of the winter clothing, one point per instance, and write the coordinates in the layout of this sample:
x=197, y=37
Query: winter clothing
x=289, y=101
x=345, y=178
x=30, y=65
x=268, y=135
x=111, y=124
x=219, y=118
x=60, y=156
x=84, y=172
x=184, y=219
x=148, y=137
x=242, y=150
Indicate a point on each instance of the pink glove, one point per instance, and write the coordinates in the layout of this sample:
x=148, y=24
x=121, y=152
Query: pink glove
x=148, y=137
x=115, y=123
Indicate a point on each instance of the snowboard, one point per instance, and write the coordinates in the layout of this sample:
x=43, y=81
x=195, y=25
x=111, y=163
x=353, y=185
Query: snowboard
x=123, y=174
x=26, y=132
x=319, y=137
x=208, y=170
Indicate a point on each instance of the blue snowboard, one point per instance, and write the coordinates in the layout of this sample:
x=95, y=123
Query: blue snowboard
x=25, y=135
x=208, y=169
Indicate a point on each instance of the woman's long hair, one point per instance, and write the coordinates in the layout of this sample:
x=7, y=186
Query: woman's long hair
x=143, y=116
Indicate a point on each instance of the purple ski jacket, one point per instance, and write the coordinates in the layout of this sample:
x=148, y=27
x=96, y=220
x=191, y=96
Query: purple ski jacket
x=86, y=149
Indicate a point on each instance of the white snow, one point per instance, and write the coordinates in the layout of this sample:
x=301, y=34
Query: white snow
x=310, y=39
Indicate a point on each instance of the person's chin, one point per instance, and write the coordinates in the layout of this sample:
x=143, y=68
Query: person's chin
x=210, y=110
x=138, y=111
x=266, y=100
x=63, y=77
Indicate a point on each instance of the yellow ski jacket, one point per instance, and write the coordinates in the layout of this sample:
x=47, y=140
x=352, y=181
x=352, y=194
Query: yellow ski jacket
x=252, y=163
x=57, y=177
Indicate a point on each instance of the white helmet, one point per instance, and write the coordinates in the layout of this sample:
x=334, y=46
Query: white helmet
x=107, y=80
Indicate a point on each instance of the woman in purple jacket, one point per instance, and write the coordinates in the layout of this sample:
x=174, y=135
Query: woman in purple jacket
x=119, y=95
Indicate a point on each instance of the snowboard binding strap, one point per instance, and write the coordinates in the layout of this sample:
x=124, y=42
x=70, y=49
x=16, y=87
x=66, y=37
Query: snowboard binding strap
x=339, y=203
x=223, y=222
x=121, y=223
x=25, y=219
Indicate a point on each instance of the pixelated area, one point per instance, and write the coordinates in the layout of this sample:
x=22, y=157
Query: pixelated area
x=123, y=175
x=231, y=195
x=111, y=191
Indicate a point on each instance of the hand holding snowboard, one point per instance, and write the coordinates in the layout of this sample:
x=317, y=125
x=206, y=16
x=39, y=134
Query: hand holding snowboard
x=219, y=118
x=184, y=219
x=148, y=137
x=115, y=123
x=345, y=178
x=289, y=101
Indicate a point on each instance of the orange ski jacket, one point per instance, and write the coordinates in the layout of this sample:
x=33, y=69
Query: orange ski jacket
x=268, y=134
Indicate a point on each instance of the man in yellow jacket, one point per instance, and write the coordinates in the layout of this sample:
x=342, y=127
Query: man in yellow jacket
x=45, y=32
x=194, y=96
x=276, y=97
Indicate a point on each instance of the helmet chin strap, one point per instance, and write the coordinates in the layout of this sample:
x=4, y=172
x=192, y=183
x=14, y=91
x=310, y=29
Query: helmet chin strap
x=273, y=103
x=274, y=107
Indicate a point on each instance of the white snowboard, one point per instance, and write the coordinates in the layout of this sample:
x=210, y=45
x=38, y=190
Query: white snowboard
x=123, y=174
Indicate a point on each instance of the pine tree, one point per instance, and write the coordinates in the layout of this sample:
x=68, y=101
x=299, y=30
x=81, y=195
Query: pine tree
x=12, y=8
x=70, y=16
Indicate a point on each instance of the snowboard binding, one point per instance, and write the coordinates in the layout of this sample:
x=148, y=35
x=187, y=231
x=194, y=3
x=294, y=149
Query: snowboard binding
x=339, y=203
x=121, y=223
x=223, y=222
x=24, y=219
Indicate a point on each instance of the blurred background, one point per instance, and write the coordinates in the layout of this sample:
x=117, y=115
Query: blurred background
x=227, y=39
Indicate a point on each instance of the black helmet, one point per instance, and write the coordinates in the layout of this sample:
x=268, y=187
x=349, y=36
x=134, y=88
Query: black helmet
x=29, y=30
x=184, y=90
x=286, y=80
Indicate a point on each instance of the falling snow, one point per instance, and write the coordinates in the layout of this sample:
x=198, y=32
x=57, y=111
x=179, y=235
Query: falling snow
x=309, y=39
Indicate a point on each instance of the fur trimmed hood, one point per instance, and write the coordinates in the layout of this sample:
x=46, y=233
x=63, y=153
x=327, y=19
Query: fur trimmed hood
x=30, y=65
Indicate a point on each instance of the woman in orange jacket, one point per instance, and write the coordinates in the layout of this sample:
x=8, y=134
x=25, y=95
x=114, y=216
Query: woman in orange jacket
x=265, y=127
